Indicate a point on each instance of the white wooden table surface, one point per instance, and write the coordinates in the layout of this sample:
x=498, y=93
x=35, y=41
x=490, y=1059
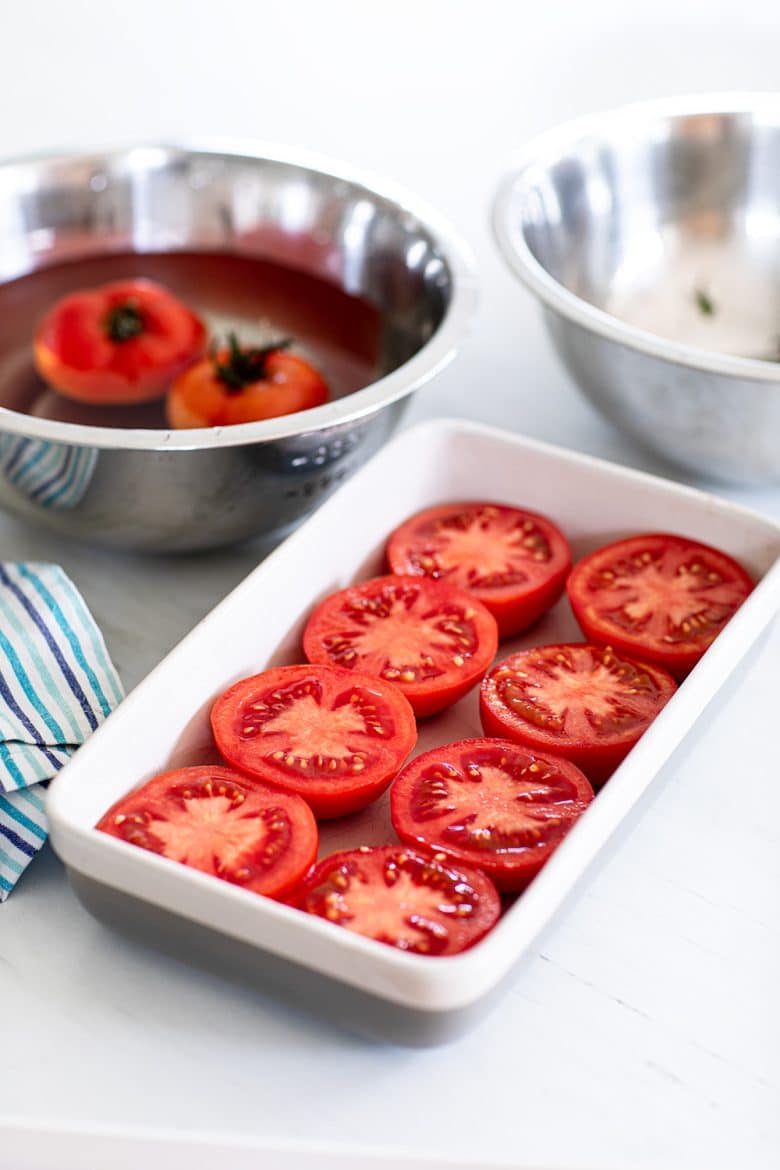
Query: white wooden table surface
x=643, y=1032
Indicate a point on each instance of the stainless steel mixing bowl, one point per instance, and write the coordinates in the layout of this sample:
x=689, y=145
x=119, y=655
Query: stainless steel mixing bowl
x=651, y=235
x=178, y=490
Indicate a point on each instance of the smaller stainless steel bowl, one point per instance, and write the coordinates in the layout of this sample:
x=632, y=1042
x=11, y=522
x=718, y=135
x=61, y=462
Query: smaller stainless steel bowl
x=651, y=236
x=180, y=490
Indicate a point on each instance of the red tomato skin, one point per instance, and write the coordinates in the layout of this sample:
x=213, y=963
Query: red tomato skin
x=198, y=398
x=597, y=759
x=678, y=660
x=514, y=611
x=74, y=354
x=327, y=796
x=466, y=935
x=427, y=698
x=161, y=790
x=509, y=875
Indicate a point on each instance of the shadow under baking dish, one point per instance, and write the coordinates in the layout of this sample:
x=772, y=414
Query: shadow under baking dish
x=300, y=988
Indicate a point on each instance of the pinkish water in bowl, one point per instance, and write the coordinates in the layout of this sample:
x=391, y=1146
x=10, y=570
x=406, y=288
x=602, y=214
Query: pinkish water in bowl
x=258, y=299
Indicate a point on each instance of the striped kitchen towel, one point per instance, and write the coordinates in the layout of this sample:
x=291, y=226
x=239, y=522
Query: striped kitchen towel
x=50, y=474
x=57, y=683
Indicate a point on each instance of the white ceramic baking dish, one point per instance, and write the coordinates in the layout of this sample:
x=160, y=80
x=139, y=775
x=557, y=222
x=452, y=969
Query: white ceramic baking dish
x=164, y=723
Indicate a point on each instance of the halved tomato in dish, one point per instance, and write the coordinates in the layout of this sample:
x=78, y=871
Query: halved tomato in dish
x=334, y=737
x=661, y=597
x=587, y=703
x=403, y=897
x=215, y=821
x=118, y=343
x=491, y=804
x=514, y=561
x=431, y=640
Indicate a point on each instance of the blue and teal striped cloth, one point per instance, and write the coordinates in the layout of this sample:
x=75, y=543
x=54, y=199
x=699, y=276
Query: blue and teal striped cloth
x=50, y=474
x=57, y=683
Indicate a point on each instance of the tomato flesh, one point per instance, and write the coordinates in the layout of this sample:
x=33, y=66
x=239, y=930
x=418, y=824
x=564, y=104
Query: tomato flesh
x=661, y=597
x=587, y=703
x=402, y=897
x=431, y=640
x=82, y=349
x=334, y=737
x=213, y=820
x=490, y=803
x=514, y=561
x=200, y=398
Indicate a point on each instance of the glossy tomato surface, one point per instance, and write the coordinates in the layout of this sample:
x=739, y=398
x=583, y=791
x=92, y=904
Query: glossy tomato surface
x=334, y=737
x=215, y=821
x=490, y=803
x=661, y=597
x=244, y=384
x=122, y=342
x=514, y=561
x=433, y=641
x=403, y=897
x=587, y=703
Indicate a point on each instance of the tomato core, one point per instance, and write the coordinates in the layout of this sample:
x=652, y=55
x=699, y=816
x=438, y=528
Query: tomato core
x=124, y=321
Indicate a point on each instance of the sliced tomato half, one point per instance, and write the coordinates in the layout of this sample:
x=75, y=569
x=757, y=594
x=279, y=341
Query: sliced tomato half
x=403, y=897
x=514, y=561
x=491, y=804
x=587, y=703
x=431, y=640
x=214, y=820
x=334, y=737
x=661, y=597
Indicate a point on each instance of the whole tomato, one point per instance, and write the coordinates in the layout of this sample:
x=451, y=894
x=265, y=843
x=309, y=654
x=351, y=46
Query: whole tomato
x=244, y=384
x=122, y=342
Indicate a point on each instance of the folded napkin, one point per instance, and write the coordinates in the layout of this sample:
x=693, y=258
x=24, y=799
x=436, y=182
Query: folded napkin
x=57, y=683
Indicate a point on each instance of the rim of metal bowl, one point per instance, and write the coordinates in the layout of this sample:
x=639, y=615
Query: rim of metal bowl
x=429, y=360
x=555, y=143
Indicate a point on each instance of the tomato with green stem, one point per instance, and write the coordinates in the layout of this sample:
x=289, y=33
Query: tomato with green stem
x=242, y=384
x=122, y=342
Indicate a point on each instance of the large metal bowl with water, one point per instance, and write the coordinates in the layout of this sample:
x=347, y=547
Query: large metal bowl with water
x=144, y=486
x=651, y=236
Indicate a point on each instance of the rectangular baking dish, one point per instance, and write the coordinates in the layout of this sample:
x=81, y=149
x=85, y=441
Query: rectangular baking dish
x=164, y=723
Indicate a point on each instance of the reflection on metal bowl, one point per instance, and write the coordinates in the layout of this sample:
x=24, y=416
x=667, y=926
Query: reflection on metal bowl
x=651, y=235
x=129, y=481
